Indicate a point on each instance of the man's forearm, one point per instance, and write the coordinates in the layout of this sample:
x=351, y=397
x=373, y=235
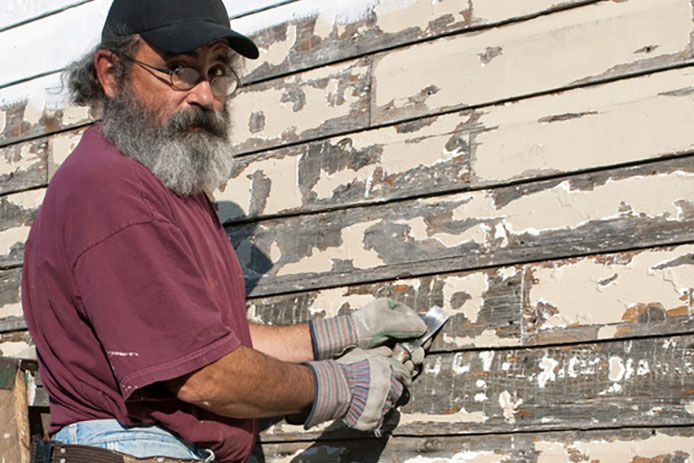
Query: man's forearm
x=248, y=384
x=286, y=343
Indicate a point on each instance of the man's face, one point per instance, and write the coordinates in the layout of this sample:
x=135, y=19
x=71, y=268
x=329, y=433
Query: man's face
x=180, y=135
x=152, y=87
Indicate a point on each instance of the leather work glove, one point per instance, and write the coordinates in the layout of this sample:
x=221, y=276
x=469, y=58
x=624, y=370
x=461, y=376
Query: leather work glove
x=379, y=321
x=360, y=388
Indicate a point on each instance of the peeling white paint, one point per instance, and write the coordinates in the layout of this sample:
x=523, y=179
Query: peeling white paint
x=614, y=450
x=329, y=301
x=463, y=457
x=527, y=46
x=642, y=279
x=617, y=370
x=458, y=367
x=547, y=365
x=352, y=248
x=11, y=349
x=461, y=416
x=643, y=368
x=509, y=403
x=474, y=285
x=433, y=370
x=487, y=358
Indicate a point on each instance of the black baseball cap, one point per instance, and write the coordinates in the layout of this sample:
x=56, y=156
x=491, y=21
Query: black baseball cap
x=175, y=26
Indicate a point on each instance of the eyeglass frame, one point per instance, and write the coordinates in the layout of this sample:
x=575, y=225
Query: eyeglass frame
x=235, y=78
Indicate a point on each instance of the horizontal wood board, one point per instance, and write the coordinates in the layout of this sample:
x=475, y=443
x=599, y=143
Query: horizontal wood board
x=584, y=214
x=586, y=128
x=641, y=382
x=635, y=445
x=608, y=296
x=37, y=107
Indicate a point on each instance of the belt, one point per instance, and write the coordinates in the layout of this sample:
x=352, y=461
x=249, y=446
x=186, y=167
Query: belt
x=48, y=451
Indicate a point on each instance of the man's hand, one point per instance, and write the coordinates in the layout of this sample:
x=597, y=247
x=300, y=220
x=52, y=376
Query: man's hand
x=360, y=387
x=373, y=325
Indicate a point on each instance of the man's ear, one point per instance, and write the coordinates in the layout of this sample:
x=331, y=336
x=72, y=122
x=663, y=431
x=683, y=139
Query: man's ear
x=106, y=65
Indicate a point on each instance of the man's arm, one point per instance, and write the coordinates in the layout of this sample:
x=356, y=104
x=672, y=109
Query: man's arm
x=286, y=343
x=248, y=384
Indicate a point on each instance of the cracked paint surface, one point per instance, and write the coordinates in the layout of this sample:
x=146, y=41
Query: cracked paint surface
x=608, y=291
x=627, y=26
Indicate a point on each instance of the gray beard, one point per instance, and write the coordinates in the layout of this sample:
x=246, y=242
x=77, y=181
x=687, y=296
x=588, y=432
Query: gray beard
x=187, y=162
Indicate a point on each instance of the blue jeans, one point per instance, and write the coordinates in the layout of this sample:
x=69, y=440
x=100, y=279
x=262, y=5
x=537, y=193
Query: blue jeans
x=141, y=441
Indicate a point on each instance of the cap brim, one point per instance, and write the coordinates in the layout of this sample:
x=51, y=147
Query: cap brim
x=186, y=37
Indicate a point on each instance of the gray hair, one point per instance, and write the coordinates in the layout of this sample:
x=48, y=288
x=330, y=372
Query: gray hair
x=80, y=76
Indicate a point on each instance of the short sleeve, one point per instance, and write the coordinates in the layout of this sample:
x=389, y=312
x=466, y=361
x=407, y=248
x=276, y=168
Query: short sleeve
x=151, y=308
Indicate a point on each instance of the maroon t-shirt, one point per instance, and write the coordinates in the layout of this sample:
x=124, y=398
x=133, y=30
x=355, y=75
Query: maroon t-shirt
x=126, y=284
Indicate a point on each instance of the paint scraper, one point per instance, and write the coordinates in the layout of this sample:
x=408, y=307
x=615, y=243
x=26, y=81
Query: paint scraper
x=435, y=318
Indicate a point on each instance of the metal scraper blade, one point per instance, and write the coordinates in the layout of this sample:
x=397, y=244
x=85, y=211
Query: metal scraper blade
x=435, y=318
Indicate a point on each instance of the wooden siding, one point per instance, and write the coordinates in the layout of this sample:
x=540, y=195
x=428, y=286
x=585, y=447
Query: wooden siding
x=528, y=166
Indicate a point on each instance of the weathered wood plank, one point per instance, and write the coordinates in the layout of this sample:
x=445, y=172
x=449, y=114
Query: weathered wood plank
x=236, y=8
x=270, y=122
x=625, y=121
x=14, y=418
x=503, y=63
x=308, y=33
x=36, y=108
x=15, y=343
x=641, y=382
x=606, y=211
x=657, y=445
x=327, y=100
x=320, y=29
x=18, y=11
x=23, y=166
x=31, y=164
x=10, y=299
x=73, y=32
x=18, y=211
x=638, y=293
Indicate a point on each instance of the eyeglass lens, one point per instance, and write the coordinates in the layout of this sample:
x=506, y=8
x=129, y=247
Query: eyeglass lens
x=186, y=78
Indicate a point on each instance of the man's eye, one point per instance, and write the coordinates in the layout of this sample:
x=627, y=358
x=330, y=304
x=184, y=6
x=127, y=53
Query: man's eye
x=217, y=71
x=173, y=68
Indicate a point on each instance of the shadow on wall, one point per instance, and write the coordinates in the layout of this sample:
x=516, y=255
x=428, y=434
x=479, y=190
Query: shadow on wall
x=352, y=446
x=253, y=261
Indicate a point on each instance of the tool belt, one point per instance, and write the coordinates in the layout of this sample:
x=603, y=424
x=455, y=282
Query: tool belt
x=48, y=451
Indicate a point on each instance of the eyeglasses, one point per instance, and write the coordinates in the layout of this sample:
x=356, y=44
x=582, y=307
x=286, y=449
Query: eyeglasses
x=223, y=80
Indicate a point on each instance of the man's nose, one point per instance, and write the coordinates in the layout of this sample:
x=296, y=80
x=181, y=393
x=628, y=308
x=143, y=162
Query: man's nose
x=201, y=95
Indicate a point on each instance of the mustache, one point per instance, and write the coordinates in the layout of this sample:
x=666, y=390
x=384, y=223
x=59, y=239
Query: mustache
x=207, y=120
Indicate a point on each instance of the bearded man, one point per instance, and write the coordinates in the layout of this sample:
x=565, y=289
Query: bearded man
x=132, y=292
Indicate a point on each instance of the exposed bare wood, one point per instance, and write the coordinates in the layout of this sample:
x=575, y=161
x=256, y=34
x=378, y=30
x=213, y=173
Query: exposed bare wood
x=657, y=445
x=326, y=100
x=640, y=293
x=10, y=298
x=23, y=166
x=503, y=63
x=14, y=420
x=624, y=121
x=600, y=212
x=36, y=108
x=18, y=211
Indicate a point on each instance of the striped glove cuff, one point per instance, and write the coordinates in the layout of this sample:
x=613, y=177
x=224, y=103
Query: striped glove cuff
x=332, y=392
x=332, y=336
x=359, y=379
